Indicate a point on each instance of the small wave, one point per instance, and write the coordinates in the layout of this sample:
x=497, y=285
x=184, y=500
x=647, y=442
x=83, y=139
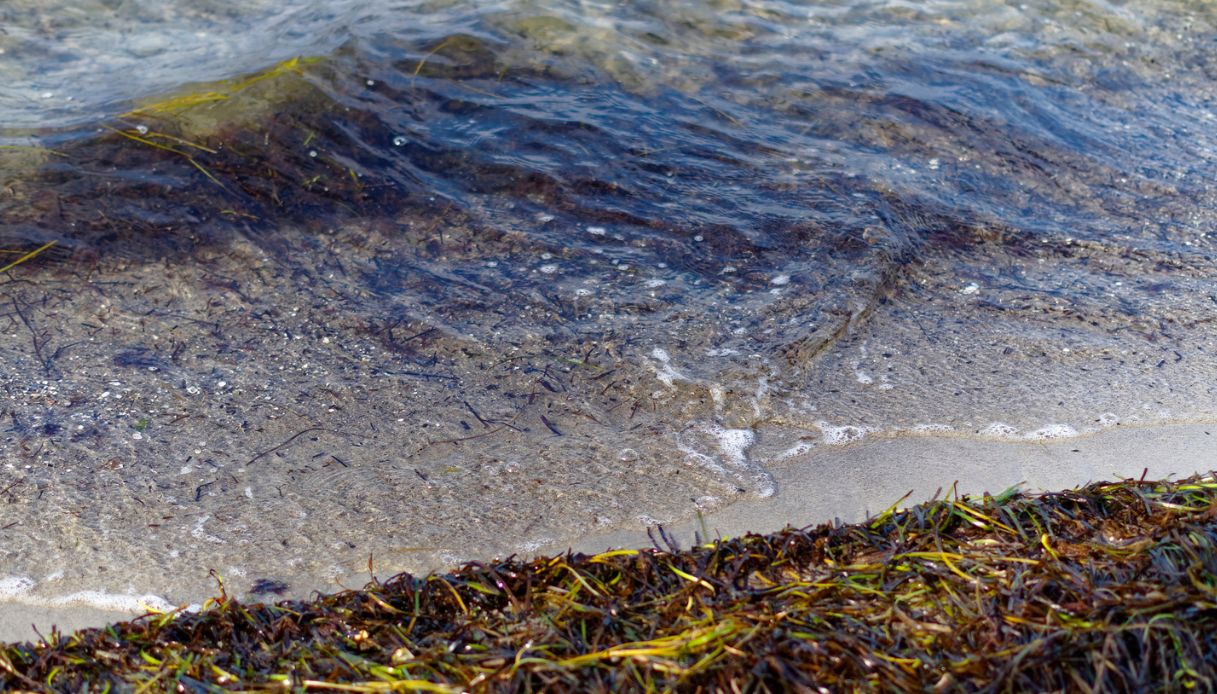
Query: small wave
x=21, y=589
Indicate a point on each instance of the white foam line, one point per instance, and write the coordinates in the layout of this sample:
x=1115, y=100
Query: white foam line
x=1003, y=431
x=932, y=428
x=842, y=435
x=1053, y=431
x=19, y=589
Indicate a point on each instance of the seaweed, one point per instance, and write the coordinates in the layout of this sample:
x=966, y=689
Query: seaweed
x=1109, y=587
x=25, y=256
x=195, y=167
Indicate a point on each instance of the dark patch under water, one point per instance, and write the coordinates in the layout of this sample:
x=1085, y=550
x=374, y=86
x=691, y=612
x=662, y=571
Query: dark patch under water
x=773, y=152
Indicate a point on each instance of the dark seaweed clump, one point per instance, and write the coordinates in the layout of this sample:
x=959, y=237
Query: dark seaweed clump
x=318, y=142
x=1109, y=587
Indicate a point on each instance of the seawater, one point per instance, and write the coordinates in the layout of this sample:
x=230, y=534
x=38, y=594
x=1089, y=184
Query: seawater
x=432, y=280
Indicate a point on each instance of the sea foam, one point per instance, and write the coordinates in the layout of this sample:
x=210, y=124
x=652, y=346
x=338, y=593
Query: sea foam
x=20, y=589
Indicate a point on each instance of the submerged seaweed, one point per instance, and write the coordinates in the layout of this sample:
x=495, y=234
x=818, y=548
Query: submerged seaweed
x=1108, y=587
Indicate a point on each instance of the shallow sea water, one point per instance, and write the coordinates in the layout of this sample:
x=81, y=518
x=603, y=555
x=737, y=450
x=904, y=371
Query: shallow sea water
x=434, y=281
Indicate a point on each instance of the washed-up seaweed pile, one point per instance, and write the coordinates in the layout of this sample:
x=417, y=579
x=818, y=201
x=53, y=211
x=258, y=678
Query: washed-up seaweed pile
x=1110, y=587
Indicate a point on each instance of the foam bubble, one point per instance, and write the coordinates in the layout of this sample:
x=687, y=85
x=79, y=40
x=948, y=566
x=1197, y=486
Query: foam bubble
x=14, y=586
x=932, y=428
x=530, y=547
x=733, y=445
x=18, y=589
x=664, y=371
x=111, y=601
x=701, y=459
x=840, y=436
x=796, y=450
x=451, y=558
x=999, y=430
x=200, y=533
x=1052, y=431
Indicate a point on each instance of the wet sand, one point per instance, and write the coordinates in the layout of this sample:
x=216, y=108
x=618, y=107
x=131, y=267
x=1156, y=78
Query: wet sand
x=865, y=479
x=844, y=483
x=280, y=416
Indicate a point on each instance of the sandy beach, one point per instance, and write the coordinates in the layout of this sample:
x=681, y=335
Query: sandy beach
x=845, y=483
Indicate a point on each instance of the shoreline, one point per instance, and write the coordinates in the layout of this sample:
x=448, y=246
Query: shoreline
x=842, y=483
x=881, y=471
